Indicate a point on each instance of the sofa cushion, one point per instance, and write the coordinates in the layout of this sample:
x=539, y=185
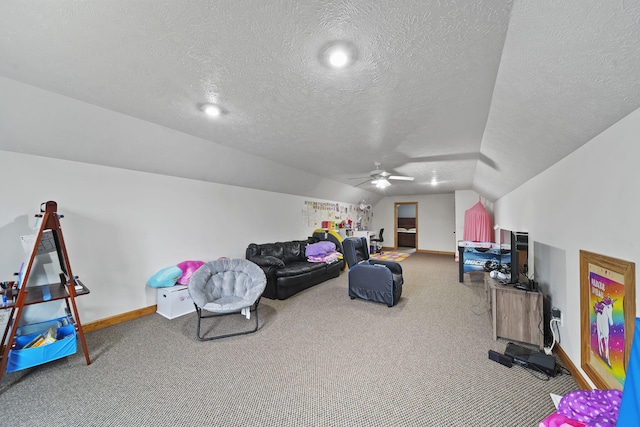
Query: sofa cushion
x=300, y=267
x=272, y=249
x=268, y=261
x=293, y=251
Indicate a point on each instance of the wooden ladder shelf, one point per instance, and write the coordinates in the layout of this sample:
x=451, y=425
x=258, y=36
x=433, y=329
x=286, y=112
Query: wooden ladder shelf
x=67, y=290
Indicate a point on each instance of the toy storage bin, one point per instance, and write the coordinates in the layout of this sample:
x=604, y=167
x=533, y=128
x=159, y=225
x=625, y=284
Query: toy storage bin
x=65, y=344
x=174, y=301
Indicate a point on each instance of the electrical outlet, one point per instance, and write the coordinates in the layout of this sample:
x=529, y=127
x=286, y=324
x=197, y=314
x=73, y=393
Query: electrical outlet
x=557, y=314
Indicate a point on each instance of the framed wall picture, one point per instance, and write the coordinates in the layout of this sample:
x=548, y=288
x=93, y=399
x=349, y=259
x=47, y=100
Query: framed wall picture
x=608, y=310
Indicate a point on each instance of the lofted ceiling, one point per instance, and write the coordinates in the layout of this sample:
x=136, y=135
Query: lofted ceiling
x=476, y=94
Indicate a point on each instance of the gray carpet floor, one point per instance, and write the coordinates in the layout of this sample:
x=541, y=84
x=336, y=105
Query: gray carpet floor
x=318, y=359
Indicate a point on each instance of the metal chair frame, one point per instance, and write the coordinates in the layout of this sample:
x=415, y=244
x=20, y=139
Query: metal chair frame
x=252, y=309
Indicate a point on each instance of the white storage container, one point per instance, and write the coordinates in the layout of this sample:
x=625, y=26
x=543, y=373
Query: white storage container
x=174, y=302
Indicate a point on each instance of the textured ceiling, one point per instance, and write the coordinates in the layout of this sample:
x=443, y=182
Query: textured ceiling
x=481, y=94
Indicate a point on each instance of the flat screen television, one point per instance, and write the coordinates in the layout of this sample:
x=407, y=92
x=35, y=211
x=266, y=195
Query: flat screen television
x=516, y=243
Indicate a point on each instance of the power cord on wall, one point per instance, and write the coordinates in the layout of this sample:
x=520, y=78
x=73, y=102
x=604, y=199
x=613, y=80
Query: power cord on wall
x=549, y=350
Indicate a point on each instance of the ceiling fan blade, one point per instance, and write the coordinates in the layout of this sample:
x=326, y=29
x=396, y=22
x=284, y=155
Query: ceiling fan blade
x=380, y=177
x=368, y=181
x=360, y=177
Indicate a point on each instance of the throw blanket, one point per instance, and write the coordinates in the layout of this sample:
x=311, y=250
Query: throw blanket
x=595, y=408
x=328, y=258
x=320, y=249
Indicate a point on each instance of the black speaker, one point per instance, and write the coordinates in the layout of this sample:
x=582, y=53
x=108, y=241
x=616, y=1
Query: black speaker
x=500, y=358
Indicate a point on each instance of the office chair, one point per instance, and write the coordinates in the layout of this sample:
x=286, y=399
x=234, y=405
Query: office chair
x=224, y=287
x=371, y=279
x=377, y=241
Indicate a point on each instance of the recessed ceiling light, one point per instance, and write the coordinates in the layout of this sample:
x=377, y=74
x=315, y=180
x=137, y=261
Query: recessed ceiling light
x=338, y=54
x=338, y=58
x=212, y=110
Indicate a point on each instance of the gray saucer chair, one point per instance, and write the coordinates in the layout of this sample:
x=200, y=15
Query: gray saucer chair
x=224, y=287
x=371, y=279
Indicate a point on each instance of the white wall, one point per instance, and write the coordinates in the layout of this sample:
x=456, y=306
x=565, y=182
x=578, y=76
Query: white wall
x=122, y=226
x=436, y=221
x=589, y=201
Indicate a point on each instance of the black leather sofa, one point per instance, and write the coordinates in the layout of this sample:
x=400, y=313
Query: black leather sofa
x=287, y=269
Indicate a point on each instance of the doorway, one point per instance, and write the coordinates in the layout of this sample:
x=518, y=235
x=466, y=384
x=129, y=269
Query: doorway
x=406, y=226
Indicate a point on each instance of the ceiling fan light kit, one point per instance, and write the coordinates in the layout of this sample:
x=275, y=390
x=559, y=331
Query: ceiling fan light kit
x=381, y=183
x=381, y=178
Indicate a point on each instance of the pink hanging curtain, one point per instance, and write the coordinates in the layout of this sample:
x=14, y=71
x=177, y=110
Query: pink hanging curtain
x=477, y=224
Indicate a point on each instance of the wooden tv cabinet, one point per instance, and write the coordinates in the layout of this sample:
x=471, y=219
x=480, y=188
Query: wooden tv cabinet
x=515, y=314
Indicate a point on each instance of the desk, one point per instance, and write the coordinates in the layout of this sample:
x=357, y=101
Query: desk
x=515, y=314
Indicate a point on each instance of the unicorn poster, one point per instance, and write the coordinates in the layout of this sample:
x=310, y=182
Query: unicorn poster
x=606, y=315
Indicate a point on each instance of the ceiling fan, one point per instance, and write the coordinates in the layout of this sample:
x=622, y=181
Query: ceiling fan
x=380, y=178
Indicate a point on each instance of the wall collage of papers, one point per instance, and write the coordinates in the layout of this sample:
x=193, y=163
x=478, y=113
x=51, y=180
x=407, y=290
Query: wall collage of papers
x=315, y=213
